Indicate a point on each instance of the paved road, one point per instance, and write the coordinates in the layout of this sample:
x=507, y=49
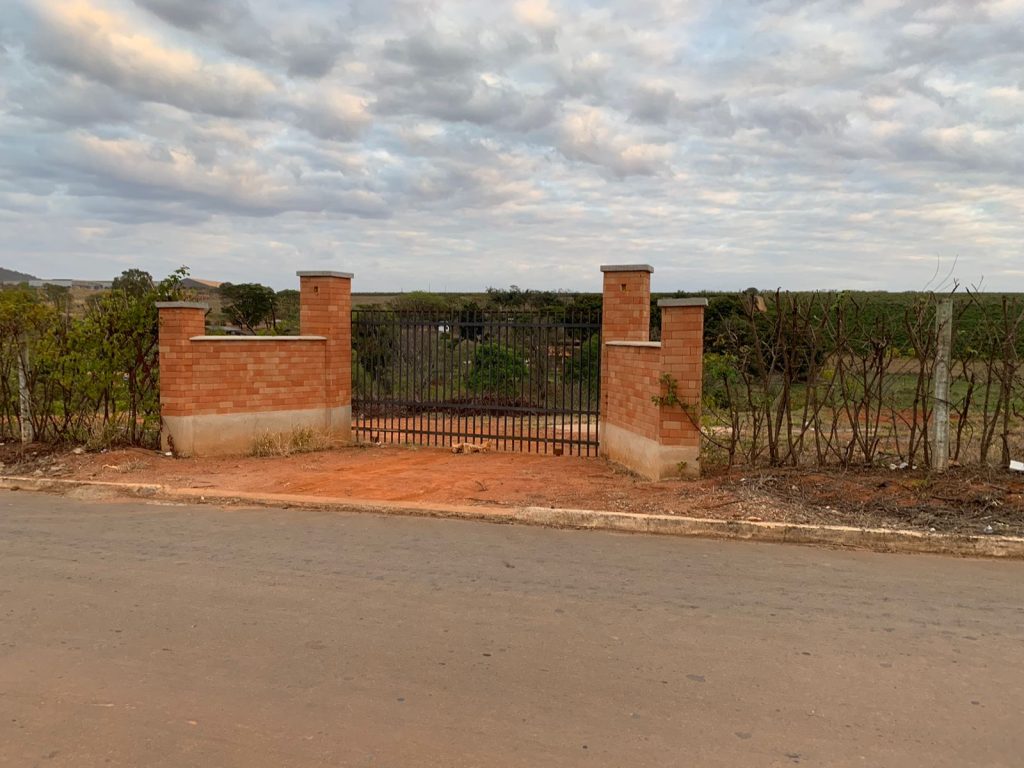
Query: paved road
x=145, y=635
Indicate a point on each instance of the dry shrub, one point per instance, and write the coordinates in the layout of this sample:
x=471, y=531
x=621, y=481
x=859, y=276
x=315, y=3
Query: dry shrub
x=832, y=380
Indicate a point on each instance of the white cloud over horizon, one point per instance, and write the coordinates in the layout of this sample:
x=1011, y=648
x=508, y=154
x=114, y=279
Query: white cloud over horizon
x=460, y=145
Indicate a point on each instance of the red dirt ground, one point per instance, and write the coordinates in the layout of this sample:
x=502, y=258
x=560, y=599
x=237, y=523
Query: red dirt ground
x=962, y=501
x=391, y=473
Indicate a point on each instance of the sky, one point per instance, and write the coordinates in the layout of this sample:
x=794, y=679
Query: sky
x=459, y=145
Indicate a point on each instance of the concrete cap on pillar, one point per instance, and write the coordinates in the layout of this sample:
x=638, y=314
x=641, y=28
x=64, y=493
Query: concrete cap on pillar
x=325, y=274
x=694, y=302
x=627, y=268
x=182, y=305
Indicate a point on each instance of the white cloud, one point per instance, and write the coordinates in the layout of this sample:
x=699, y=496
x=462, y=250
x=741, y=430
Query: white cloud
x=330, y=112
x=465, y=144
x=87, y=40
x=587, y=134
x=536, y=13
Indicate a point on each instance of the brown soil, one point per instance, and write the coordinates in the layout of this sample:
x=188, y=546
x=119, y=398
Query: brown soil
x=959, y=501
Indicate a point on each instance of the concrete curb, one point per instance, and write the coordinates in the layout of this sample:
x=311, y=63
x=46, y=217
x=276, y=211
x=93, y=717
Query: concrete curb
x=875, y=539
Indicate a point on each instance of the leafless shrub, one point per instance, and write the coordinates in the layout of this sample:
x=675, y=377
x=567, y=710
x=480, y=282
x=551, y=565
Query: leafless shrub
x=828, y=379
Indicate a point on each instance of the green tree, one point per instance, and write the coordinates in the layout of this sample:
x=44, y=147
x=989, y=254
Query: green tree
x=429, y=305
x=172, y=287
x=58, y=297
x=496, y=371
x=469, y=321
x=93, y=378
x=511, y=298
x=250, y=305
x=136, y=283
x=288, y=311
x=584, y=365
x=23, y=318
x=375, y=343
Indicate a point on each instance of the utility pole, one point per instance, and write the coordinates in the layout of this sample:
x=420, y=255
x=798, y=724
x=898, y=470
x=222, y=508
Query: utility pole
x=24, y=396
x=940, y=412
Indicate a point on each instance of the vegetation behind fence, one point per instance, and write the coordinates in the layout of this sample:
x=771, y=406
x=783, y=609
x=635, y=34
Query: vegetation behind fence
x=92, y=378
x=829, y=379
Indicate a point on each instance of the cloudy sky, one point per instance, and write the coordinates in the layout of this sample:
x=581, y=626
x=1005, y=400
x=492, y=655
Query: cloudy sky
x=457, y=145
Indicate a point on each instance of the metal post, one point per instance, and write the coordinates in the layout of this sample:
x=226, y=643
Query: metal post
x=24, y=396
x=940, y=414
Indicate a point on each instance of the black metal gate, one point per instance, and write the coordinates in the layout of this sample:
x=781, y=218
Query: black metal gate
x=522, y=381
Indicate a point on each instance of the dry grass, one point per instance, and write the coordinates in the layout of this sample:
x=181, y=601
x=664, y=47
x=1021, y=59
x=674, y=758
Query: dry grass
x=301, y=440
x=132, y=465
x=961, y=500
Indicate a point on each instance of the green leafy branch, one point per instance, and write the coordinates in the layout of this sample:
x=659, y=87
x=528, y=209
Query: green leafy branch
x=670, y=388
x=670, y=397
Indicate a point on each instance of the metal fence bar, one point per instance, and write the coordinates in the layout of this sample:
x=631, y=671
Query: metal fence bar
x=424, y=378
x=504, y=381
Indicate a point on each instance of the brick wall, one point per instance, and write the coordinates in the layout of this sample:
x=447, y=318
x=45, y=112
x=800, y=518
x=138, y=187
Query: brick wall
x=231, y=374
x=656, y=440
x=632, y=379
x=219, y=393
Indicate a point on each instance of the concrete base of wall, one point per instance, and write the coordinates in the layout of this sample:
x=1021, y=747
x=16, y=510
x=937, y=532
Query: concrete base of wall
x=227, y=434
x=647, y=457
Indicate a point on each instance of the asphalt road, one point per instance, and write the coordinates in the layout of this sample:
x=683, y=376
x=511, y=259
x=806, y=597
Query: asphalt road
x=142, y=635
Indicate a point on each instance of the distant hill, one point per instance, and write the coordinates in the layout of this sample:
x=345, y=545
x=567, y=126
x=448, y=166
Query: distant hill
x=10, y=274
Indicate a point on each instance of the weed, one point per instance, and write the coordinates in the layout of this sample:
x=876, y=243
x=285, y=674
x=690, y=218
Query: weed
x=301, y=440
x=133, y=465
x=671, y=387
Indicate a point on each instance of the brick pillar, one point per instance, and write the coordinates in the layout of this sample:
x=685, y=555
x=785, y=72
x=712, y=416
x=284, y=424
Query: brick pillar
x=625, y=312
x=325, y=309
x=656, y=437
x=626, y=308
x=179, y=322
x=682, y=357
